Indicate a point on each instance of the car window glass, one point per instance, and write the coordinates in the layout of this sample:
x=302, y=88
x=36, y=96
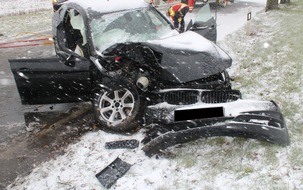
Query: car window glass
x=204, y=14
x=75, y=32
x=128, y=26
x=78, y=23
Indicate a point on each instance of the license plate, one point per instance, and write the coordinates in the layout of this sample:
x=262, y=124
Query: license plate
x=202, y=113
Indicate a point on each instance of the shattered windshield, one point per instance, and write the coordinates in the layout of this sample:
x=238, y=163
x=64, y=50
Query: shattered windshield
x=128, y=26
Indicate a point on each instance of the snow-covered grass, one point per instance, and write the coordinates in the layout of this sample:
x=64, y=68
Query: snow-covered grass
x=15, y=7
x=270, y=65
x=19, y=25
x=267, y=65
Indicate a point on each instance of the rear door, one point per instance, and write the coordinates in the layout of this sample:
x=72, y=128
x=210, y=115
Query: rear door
x=204, y=23
x=46, y=81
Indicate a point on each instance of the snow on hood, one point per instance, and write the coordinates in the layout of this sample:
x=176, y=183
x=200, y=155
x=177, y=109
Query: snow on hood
x=189, y=56
x=105, y=6
x=190, y=41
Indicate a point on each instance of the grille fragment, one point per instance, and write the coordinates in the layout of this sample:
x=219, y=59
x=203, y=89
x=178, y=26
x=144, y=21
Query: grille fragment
x=220, y=96
x=183, y=97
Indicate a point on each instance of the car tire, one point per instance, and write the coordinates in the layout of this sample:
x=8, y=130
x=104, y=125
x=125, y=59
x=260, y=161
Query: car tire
x=118, y=107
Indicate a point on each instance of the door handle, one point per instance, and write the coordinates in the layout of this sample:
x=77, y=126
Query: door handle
x=24, y=69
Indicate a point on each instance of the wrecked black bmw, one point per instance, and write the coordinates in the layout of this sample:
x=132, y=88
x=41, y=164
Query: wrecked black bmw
x=137, y=70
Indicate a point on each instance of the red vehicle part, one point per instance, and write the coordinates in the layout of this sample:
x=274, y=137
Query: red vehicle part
x=191, y=4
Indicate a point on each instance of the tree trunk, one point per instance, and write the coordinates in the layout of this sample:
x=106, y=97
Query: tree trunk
x=271, y=4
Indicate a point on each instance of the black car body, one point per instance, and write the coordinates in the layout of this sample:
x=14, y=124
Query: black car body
x=137, y=70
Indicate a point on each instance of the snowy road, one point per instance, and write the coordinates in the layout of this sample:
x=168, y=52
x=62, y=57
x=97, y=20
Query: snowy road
x=229, y=19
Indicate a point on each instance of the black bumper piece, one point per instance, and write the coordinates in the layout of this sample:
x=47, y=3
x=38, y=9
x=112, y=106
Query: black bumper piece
x=261, y=125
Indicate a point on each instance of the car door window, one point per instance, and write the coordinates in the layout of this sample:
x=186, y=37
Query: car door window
x=78, y=24
x=75, y=32
x=204, y=14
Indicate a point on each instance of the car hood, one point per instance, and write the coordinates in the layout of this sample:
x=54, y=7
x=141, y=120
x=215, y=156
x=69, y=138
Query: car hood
x=186, y=57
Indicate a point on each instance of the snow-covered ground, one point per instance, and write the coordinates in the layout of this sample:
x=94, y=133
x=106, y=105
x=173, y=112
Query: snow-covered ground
x=239, y=17
x=213, y=163
x=13, y=7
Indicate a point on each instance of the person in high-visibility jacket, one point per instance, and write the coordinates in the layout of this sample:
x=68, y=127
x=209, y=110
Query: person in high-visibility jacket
x=177, y=13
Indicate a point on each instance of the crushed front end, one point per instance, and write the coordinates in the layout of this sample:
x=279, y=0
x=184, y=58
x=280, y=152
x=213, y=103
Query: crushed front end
x=188, y=115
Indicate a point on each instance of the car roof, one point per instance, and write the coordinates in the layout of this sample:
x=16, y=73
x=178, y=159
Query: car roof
x=106, y=6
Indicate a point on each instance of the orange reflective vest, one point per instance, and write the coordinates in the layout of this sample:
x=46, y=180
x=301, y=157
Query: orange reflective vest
x=176, y=8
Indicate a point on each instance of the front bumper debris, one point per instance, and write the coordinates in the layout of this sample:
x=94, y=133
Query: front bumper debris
x=266, y=125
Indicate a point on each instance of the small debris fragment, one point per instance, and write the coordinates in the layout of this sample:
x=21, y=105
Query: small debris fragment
x=129, y=144
x=32, y=126
x=115, y=170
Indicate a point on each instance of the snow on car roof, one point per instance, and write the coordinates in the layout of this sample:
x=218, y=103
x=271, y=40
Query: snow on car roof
x=105, y=6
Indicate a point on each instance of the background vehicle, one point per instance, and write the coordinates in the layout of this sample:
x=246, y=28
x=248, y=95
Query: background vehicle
x=193, y=3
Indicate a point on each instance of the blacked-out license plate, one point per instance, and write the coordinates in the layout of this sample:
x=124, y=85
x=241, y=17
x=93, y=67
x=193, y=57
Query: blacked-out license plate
x=202, y=113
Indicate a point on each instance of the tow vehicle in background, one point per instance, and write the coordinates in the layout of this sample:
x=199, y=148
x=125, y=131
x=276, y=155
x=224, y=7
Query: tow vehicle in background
x=219, y=2
x=193, y=3
x=144, y=73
